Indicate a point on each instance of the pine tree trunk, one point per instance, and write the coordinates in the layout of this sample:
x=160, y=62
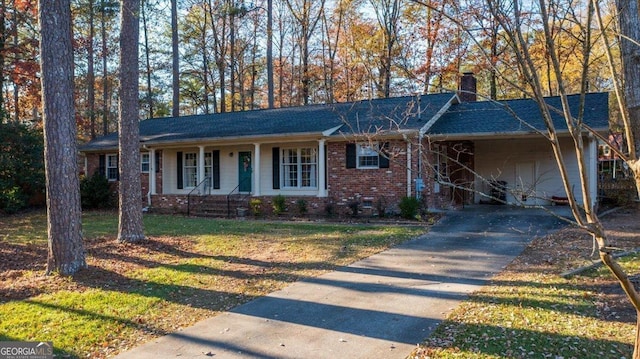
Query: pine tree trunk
x=175, y=59
x=64, y=221
x=147, y=55
x=270, y=94
x=105, y=73
x=91, y=92
x=3, y=40
x=130, y=227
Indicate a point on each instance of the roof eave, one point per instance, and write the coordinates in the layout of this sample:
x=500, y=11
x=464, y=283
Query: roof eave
x=151, y=143
x=499, y=135
x=453, y=100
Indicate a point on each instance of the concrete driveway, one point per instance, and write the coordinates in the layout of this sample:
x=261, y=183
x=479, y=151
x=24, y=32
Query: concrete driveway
x=379, y=307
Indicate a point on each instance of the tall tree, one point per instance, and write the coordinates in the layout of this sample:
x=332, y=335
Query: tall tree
x=388, y=14
x=629, y=25
x=196, y=77
x=104, y=8
x=332, y=26
x=130, y=228
x=20, y=61
x=270, y=94
x=3, y=41
x=307, y=13
x=175, y=59
x=147, y=51
x=516, y=19
x=64, y=221
x=219, y=30
x=16, y=87
x=91, y=91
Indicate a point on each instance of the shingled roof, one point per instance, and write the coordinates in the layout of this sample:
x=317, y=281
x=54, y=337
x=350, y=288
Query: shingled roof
x=392, y=114
x=411, y=113
x=491, y=118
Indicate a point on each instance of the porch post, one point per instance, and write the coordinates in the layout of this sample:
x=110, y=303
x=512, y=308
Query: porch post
x=322, y=170
x=200, y=165
x=152, y=171
x=256, y=170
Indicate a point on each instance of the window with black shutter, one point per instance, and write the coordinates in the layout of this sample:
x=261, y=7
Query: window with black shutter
x=275, y=154
x=216, y=169
x=351, y=159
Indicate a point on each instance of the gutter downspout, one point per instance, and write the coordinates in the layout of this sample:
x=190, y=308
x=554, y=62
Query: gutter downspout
x=152, y=174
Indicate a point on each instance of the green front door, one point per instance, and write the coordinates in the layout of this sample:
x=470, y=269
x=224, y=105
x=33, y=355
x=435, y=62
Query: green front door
x=244, y=171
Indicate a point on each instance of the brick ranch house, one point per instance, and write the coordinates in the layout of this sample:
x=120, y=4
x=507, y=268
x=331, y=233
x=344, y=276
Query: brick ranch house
x=446, y=149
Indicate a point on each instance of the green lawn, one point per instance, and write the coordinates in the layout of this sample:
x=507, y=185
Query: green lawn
x=189, y=269
x=530, y=311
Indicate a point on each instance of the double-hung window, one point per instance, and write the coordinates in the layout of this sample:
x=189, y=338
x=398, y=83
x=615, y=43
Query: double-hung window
x=300, y=168
x=144, y=162
x=368, y=155
x=112, y=167
x=190, y=169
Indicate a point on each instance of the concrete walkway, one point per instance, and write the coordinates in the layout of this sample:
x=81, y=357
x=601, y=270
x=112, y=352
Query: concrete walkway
x=379, y=307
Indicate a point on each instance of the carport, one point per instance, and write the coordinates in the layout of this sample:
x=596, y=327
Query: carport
x=506, y=145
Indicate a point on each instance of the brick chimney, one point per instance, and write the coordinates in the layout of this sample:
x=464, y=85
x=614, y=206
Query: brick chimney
x=467, y=88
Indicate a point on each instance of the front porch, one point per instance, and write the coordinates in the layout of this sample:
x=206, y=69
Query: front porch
x=260, y=169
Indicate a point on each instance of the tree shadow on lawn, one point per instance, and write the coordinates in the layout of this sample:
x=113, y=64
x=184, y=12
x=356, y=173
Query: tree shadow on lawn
x=504, y=342
x=275, y=264
x=572, y=299
x=100, y=278
x=277, y=270
x=105, y=247
x=139, y=254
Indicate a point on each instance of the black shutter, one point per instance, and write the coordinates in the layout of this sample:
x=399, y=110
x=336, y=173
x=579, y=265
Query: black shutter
x=102, y=165
x=179, y=165
x=383, y=156
x=276, y=167
x=351, y=155
x=215, y=162
x=157, y=159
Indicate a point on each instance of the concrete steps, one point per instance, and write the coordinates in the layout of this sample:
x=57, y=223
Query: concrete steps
x=216, y=206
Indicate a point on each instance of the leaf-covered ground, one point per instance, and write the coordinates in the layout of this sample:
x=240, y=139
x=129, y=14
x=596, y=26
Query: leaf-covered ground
x=189, y=269
x=531, y=311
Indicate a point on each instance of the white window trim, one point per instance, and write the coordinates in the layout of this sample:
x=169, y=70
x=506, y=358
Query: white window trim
x=371, y=148
x=208, y=167
x=142, y=162
x=185, y=177
x=108, y=166
x=299, y=165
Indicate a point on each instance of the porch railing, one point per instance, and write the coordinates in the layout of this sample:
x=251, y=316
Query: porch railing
x=241, y=196
x=202, y=189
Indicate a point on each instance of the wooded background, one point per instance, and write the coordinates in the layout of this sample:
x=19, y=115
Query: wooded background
x=231, y=55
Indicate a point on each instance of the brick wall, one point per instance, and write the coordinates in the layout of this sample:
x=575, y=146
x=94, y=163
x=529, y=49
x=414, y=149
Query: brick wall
x=93, y=166
x=367, y=186
x=93, y=163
